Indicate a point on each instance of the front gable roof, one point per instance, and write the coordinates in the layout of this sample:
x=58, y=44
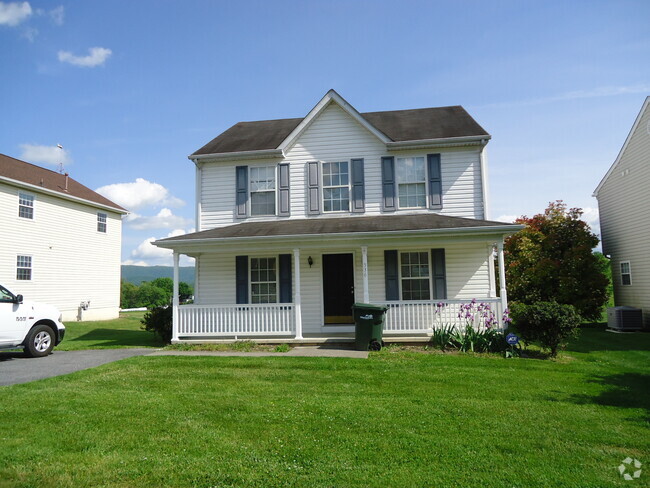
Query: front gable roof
x=41, y=179
x=391, y=127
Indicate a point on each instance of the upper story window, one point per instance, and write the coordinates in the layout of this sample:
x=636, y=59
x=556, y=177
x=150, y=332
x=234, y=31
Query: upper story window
x=336, y=187
x=101, y=222
x=414, y=275
x=262, y=185
x=411, y=182
x=25, y=206
x=24, y=268
x=264, y=280
x=626, y=273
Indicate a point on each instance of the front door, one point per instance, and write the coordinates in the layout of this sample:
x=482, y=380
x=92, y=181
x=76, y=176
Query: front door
x=338, y=288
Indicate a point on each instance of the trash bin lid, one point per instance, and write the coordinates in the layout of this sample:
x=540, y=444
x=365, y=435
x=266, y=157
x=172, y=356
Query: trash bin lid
x=369, y=306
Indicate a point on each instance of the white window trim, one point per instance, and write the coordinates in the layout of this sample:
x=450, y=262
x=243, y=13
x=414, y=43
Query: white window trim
x=348, y=186
x=426, y=182
x=277, y=278
x=250, y=190
x=105, y=231
x=31, y=266
x=629, y=273
x=399, y=273
x=33, y=197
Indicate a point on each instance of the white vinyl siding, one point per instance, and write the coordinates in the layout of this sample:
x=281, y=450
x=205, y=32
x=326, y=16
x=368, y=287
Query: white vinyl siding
x=335, y=136
x=71, y=261
x=623, y=204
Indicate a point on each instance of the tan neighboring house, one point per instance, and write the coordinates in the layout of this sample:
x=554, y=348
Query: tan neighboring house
x=60, y=242
x=624, y=207
x=299, y=218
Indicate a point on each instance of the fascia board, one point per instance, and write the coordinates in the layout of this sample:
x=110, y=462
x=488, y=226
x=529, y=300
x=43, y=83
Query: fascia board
x=261, y=154
x=442, y=142
x=625, y=144
x=47, y=191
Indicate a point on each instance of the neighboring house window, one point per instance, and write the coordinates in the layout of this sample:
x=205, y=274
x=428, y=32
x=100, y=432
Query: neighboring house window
x=411, y=182
x=336, y=187
x=262, y=182
x=24, y=268
x=101, y=222
x=25, y=206
x=264, y=280
x=414, y=267
x=626, y=273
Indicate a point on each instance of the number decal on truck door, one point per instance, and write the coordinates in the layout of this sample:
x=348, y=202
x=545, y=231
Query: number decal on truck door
x=21, y=319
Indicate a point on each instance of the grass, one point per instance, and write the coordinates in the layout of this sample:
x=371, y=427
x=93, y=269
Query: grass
x=397, y=419
x=108, y=334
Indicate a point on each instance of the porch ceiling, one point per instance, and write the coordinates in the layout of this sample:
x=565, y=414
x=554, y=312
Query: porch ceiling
x=378, y=226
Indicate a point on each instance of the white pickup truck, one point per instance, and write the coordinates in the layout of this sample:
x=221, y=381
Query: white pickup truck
x=36, y=327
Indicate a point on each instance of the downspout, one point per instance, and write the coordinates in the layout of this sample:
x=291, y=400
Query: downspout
x=484, y=179
x=197, y=193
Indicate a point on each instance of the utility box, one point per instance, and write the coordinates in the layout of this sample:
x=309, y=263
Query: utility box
x=625, y=319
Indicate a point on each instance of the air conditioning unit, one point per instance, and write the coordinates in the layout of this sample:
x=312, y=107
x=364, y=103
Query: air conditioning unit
x=625, y=319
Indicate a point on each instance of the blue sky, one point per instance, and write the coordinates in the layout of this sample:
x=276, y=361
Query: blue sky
x=130, y=88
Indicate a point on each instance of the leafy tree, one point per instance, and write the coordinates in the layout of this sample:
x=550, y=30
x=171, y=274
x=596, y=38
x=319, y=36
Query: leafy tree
x=166, y=284
x=551, y=260
x=185, y=291
x=128, y=295
x=151, y=296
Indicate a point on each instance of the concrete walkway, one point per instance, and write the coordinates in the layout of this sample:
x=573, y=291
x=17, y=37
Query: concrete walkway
x=306, y=352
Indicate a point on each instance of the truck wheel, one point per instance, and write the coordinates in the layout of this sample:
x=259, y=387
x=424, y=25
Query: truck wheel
x=40, y=341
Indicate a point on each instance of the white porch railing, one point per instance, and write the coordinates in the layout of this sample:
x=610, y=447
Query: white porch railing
x=237, y=320
x=419, y=317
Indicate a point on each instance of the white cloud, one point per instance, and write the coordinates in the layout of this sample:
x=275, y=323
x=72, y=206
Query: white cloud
x=165, y=219
x=146, y=254
x=58, y=15
x=138, y=194
x=14, y=13
x=507, y=218
x=97, y=57
x=54, y=155
x=30, y=33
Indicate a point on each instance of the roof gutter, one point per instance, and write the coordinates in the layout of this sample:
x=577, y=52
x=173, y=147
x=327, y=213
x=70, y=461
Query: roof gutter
x=507, y=229
x=440, y=142
x=55, y=193
x=261, y=154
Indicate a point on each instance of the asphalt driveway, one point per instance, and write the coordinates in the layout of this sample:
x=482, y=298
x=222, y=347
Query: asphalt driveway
x=16, y=368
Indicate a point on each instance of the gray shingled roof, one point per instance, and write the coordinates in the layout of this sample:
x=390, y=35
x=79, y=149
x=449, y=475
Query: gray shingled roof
x=22, y=171
x=346, y=225
x=397, y=125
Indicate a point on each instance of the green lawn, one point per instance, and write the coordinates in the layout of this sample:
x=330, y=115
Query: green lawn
x=398, y=419
x=108, y=334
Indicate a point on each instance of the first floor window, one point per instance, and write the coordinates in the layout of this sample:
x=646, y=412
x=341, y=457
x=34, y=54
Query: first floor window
x=414, y=267
x=101, y=222
x=25, y=206
x=24, y=268
x=264, y=280
x=262, y=190
x=411, y=182
x=336, y=187
x=626, y=273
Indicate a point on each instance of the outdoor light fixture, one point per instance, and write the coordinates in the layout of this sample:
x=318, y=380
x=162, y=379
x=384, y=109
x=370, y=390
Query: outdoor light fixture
x=310, y=261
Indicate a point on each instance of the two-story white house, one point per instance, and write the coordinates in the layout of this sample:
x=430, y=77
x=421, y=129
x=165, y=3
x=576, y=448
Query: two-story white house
x=624, y=207
x=60, y=242
x=300, y=218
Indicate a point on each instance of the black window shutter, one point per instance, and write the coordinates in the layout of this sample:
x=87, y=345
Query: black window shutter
x=241, y=278
x=390, y=270
x=388, y=183
x=285, y=278
x=242, y=191
x=284, y=204
x=439, y=274
x=358, y=187
x=313, y=187
x=435, y=182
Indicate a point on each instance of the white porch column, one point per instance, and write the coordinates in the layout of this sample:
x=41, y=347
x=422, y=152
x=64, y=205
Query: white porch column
x=296, y=299
x=175, y=299
x=364, y=266
x=502, y=277
x=492, y=293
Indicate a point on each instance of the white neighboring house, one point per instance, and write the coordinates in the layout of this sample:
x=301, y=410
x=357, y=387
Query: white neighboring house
x=624, y=208
x=300, y=218
x=60, y=241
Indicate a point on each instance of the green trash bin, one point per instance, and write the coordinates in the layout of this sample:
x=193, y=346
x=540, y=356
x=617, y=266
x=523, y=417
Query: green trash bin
x=368, y=326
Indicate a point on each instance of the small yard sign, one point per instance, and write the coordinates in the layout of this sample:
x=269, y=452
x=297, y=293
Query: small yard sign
x=512, y=339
